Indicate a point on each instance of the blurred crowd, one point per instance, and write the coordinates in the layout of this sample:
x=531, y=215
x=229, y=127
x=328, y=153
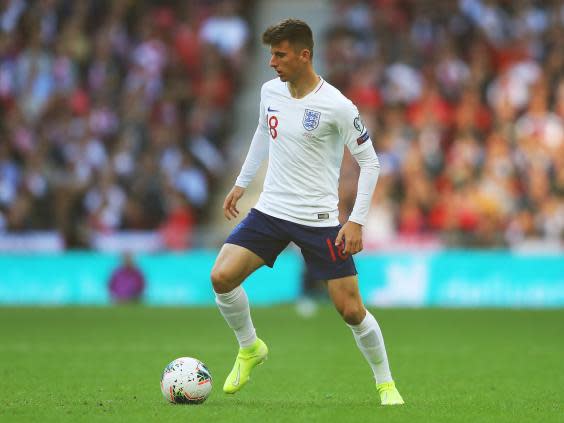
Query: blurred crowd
x=114, y=113
x=465, y=105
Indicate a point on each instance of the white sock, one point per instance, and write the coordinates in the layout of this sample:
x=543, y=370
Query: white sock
x=369, y=339
x=234, y=306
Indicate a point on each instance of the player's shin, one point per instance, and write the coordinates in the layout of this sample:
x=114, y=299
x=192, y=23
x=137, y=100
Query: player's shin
x=370, y=341
x=234, y=307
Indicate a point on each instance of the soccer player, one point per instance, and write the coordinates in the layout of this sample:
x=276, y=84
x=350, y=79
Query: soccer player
x=304, y=124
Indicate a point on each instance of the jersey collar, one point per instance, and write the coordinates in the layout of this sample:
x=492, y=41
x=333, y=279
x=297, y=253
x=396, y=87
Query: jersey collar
x=312, y=92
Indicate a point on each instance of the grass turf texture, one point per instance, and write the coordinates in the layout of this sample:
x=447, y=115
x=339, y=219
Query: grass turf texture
x=104, y=364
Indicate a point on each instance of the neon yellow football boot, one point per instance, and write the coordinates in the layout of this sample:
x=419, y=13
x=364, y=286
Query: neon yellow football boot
x=246, y=360
x=389, y=394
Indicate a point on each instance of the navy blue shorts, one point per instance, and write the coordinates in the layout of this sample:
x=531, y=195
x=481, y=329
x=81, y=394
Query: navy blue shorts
x=267, y=236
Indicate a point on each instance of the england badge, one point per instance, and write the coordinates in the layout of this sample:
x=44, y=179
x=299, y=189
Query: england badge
x=311, y=119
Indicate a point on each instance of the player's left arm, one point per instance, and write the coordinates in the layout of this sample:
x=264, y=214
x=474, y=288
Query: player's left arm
x=352, y=229
x=359, y=144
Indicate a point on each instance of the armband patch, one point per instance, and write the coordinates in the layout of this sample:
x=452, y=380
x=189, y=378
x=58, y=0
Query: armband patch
x=362, y=139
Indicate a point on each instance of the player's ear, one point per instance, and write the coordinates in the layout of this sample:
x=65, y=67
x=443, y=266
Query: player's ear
x=305, y=54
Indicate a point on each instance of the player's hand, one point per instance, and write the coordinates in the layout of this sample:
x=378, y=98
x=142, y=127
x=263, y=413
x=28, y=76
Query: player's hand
x=351, y=235
x=230, y=204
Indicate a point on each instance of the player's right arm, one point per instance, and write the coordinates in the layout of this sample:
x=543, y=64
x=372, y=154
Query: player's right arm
x=230, y=204
x=258, y=151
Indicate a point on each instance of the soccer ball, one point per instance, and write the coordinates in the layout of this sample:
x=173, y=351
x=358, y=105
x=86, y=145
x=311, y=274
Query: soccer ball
x=186, y=381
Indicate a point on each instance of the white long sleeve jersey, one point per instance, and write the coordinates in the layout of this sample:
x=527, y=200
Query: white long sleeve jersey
x=304, y=140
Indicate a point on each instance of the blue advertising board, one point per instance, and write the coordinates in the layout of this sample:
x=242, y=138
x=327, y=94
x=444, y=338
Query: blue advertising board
x=444, y=279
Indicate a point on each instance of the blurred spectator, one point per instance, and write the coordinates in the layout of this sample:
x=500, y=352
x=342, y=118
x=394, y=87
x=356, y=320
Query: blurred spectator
x=466, y=104
x=178, y=227
x=226, y=31
x=127, y=282
x=114, y=113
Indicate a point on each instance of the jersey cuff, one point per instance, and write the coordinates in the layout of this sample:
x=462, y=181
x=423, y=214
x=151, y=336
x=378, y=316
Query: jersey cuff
x=241, y=184
x=355, y=219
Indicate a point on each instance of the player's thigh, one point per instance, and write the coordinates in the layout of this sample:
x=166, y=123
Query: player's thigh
x=345, y=295
x=232, y=266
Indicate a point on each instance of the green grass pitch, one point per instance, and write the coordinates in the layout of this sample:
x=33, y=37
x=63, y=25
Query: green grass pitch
x=104, y=364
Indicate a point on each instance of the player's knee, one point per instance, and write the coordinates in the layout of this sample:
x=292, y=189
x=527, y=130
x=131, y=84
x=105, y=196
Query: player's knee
x=352, y=313
x=221, y=280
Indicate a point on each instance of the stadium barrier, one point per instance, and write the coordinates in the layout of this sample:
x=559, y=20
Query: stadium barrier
x=445, y=279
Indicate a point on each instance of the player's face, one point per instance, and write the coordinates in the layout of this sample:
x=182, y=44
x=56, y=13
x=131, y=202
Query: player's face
x=287, y=62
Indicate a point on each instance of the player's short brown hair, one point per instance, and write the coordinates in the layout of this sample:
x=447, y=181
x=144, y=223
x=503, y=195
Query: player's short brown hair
x=295, y=31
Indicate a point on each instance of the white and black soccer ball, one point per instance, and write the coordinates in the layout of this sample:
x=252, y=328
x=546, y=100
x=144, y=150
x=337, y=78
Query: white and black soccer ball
x=186, y=381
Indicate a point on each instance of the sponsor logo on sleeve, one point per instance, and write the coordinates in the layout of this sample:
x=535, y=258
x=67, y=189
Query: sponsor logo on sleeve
x=358, y=124
x=362, y=139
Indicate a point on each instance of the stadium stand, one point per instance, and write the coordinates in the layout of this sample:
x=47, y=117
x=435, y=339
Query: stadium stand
x=114, y=114
x=465, y=103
